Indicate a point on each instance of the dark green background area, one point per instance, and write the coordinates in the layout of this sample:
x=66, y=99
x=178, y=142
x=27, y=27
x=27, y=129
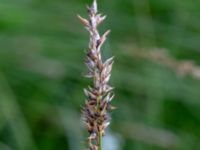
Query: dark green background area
x=42, y=46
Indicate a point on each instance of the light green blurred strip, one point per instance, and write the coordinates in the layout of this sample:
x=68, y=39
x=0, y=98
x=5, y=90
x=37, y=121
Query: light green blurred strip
x=4, y=146
x=160, y=137
x=2, y=122
x=14, y=117
x=143, y=10
x=155, y=106
x=71, y=123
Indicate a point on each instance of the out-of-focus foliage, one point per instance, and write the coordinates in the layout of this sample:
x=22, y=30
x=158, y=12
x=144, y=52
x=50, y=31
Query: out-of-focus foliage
x=42, y=48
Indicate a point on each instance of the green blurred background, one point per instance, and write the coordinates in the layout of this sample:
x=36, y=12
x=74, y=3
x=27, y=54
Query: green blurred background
x=156, y=75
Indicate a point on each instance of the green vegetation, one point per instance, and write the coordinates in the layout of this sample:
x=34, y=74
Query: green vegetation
x=155, y=75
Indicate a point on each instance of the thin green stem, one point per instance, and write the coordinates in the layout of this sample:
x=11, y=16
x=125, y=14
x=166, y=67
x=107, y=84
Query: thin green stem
x=100, y=141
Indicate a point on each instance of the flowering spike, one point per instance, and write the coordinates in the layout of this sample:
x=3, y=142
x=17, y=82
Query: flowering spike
x=99, y=96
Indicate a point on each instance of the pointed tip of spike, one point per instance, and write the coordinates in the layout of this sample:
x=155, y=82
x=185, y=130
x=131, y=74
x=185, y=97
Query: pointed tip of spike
x=94, y=6
x=94, y=2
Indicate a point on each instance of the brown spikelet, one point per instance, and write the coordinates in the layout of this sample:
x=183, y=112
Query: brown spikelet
x=83, y=20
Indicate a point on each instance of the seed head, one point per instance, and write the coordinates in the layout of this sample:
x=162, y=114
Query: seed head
x=99, y=95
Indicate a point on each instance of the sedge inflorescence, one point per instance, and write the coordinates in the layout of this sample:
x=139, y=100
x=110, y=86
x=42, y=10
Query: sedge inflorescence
x=99, y=95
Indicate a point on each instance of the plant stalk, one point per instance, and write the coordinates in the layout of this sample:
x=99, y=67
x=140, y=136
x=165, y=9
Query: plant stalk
x=100, y=141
